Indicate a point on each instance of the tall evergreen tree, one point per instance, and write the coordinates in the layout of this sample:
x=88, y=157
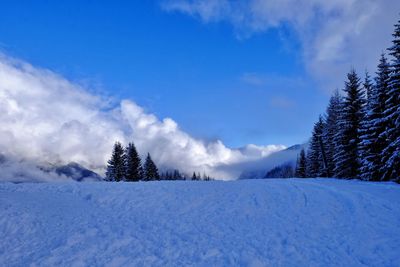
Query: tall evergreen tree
x=391, y=154
x=315, y=161
x=301, y=165
x=150, y=170
x=331, y=128
x=365, y=124
x=368, y=85
x=373, y=127
x=134, y=170
x=348, y=137
x=116, y=165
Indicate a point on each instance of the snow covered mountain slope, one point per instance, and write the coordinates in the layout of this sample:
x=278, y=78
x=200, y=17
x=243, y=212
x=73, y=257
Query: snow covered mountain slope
x=77, y=172
x=258, y=168
x=22, y=171
x=287, y=222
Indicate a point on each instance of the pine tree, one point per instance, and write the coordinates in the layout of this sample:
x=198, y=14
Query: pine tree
x=150, y=170
x=167, y=175
x=365, y=125
x=373, y=126
x=347, y=139
x=368, y=85
x=315, y=162
x=331, y=128
x=391, y=154
x=301, y=165
x=194, y=176
x=116, y=165
x=177, y=175
x=134, y=170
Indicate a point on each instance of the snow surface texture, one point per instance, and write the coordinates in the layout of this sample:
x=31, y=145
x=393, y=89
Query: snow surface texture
x=293, y=222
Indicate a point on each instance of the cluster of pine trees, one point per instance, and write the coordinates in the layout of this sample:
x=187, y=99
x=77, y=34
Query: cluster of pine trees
x=177, y=175
x=283, y=171
x=125, y=165
x=359, y=135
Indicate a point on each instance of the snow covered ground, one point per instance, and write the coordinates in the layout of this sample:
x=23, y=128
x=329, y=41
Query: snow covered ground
x=294, y=222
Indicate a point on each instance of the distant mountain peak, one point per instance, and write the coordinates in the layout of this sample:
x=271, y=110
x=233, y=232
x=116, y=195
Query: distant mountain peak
x=77, y=172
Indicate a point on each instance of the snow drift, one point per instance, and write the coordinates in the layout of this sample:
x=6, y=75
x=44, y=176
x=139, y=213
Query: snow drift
x=292, y=222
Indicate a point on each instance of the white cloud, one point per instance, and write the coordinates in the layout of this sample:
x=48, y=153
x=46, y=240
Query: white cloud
x=257, y=152
x=335, y=35
x=48, y=119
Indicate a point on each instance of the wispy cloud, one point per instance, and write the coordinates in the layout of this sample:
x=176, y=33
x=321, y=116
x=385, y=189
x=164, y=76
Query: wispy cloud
x=271, y=80
x=48, y=119
x=208, y=11
x=281, y=102
x=253, y=79
x=335, y=35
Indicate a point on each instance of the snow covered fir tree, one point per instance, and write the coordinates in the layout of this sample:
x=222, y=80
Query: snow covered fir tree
x=347, y=161
x=150, y=170
x=134, y=171
x=116, y=168
x=373, y=139
x=359, y=136
x=390, y=156
x=300, y=171
x=330, y=129
x=315, y=165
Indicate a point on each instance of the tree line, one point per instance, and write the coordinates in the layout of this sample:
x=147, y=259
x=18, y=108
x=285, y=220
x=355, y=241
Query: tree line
x=359, y=134
x=125, y=164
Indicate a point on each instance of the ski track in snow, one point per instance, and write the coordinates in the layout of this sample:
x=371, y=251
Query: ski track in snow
x=291, y=222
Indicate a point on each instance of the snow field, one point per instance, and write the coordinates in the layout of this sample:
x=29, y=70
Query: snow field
x=275, y=222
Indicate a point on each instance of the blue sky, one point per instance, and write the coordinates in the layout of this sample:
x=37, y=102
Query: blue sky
x=216, y=79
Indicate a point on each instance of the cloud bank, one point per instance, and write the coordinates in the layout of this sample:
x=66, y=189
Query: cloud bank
x=45, y=118
x=335, y=35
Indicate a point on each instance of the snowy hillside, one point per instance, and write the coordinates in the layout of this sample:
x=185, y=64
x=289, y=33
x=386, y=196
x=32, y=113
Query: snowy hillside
x=293, y=222
x=258, y=168
x=22, y=171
